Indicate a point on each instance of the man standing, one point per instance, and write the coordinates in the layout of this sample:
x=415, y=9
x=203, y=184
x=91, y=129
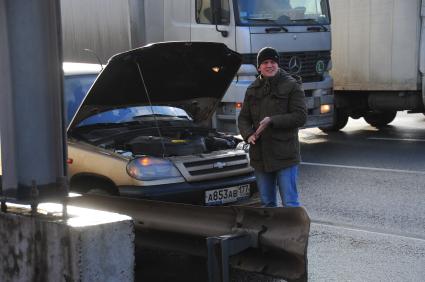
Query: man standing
x=271, y=114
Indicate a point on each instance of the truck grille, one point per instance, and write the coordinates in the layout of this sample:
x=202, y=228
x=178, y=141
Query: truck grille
x=216, y=165
x=308, y=61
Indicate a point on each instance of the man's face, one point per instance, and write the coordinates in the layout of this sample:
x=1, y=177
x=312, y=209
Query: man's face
x=268, y=68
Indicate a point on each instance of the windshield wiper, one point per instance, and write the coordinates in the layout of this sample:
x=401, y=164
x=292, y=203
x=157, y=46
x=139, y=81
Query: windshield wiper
x=260, y=19
x=151, y=115
x=269, y=29
x=311, y=21
x=276, y=29
x=108, y=124
x=159, y=115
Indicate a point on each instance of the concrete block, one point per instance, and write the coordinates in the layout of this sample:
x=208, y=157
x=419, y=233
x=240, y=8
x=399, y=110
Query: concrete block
x=89, y=246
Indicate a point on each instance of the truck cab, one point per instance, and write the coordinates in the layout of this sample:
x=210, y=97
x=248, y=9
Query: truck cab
x=298, y=29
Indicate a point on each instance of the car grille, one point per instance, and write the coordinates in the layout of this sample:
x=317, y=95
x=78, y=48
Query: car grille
x=308, y=60
x=216, y=165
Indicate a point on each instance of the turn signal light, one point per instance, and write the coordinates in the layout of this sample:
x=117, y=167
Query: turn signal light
x=145, y=161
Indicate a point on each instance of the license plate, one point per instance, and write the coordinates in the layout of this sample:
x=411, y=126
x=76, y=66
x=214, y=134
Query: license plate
x=227, y=195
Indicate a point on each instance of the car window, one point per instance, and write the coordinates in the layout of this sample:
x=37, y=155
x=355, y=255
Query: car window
x=204, y=12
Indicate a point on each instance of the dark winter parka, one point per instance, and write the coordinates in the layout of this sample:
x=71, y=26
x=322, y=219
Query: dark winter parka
x=282, y=99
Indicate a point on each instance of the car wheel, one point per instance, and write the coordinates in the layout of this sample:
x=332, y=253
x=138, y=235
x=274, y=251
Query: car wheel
x=92, y=185
x=97, y=191
x=380, y=119
x=340, y=120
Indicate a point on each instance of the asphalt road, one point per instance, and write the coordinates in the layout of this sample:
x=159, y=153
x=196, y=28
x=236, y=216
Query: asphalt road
x=364, y=190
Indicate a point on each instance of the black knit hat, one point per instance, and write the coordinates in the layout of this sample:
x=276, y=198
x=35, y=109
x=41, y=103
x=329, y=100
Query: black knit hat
x=267, y=53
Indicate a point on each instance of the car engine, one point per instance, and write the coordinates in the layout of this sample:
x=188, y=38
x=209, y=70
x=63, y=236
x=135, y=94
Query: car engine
x=171, y=141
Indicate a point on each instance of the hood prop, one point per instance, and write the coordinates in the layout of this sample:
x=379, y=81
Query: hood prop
x=150, y=105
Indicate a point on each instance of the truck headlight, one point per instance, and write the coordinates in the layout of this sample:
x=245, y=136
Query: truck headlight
x=150, y=168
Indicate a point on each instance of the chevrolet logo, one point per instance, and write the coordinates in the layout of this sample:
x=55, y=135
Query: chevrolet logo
x=219, y=165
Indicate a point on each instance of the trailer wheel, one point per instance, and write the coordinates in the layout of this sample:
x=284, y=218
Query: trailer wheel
x=340, y=120
x=380, y=119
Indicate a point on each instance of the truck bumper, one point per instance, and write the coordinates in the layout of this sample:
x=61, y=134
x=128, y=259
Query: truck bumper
x=318, y=94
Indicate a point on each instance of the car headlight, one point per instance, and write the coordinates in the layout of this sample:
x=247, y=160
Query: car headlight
x=150, y=168
x=243, y=146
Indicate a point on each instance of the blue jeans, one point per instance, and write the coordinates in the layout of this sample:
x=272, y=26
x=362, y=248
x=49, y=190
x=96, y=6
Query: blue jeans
x=286, y=179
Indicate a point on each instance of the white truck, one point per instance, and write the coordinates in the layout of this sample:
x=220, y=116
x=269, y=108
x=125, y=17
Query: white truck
x=378, y=57
x=298, y=29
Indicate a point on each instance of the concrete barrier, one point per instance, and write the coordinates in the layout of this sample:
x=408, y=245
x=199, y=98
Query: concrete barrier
x=88, y=246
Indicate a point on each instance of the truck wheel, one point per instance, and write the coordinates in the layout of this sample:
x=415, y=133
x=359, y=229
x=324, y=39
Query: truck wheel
x=380, y=119
x=340, y=120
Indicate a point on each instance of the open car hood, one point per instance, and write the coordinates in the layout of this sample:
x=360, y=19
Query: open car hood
x=193, y=76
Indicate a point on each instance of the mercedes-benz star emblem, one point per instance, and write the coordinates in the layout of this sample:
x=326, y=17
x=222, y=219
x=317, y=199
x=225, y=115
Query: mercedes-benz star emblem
x=294, y=65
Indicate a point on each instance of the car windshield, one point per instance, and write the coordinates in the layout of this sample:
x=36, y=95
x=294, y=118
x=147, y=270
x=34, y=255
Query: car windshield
x=75, y=89
x=140, y=113
x=283, y=12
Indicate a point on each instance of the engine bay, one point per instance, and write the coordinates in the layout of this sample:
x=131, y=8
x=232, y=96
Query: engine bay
x=159, y=142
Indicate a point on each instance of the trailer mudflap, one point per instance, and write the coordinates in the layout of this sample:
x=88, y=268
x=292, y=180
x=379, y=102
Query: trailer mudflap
x=278, y=236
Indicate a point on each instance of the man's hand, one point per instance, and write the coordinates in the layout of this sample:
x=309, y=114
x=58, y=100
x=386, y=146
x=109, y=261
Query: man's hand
x=252, y=139
x=263, y=125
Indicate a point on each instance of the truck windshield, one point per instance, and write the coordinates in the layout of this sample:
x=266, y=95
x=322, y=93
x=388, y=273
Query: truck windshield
x=282, y=12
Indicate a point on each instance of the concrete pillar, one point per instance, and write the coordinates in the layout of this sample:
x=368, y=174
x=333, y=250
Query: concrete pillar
x=89, y=246
x=31, y=121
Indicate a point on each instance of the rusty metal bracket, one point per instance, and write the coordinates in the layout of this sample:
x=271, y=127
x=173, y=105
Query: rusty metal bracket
x=220, y=249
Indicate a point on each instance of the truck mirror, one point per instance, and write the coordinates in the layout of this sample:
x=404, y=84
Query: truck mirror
x=217, y=16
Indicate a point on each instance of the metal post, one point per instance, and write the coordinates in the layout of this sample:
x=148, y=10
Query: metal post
x=31, y=101
x=219, y=251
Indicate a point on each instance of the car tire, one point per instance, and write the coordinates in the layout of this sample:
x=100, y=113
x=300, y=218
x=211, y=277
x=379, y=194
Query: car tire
x=380, y=119
x=93, y=185
x=100, y=191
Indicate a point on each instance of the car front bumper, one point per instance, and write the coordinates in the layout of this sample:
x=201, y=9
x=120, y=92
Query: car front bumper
x=187, y=192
